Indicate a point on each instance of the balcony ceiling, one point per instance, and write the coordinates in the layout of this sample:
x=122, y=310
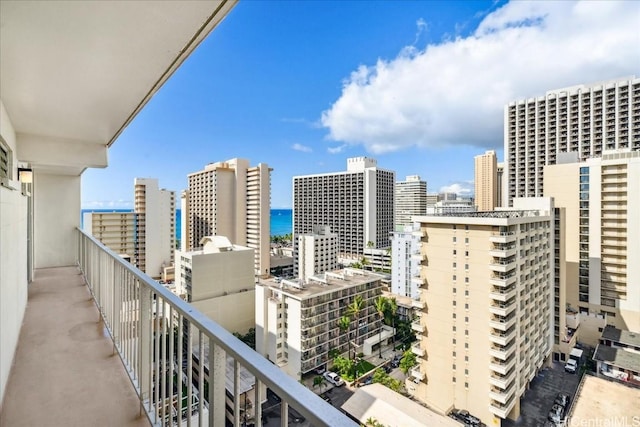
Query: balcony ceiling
x=73, y=74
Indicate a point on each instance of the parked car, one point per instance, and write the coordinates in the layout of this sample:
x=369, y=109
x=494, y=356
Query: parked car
x=395, y=362
x=556, y=414
x=333, y=378
x=562, y=399
x=571, y=366
x=320, y=370
x=465, y=417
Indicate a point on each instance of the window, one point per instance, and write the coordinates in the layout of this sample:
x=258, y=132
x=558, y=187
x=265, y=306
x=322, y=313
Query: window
x=466, y=253
x=5, y=166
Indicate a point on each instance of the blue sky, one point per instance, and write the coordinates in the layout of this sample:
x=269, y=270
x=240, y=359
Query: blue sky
x=420, y=86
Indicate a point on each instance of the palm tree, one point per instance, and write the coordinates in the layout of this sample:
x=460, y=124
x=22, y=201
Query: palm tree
x=319, y=381
x=354, y=310
x=344, y=323
x=381, y=305
x=392, y=306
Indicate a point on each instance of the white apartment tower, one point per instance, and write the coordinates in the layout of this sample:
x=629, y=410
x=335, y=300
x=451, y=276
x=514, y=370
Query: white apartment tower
x=405, y=266
x=156, y=229
x=486, y=318
x=601, y=197
x=232, y=199
x=486, y=181
x=357, y=204
x=500, y=184
x=410, y=200
x=587, y=120
x=315, y=253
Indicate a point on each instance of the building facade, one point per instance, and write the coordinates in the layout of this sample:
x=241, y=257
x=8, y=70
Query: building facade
x=297, y=324
x=315, y=253
x=485, y=318
x=231, y=199
x=156, y=228
x=601, y=197
x=410, y=200
x=586, y=120
x=145, y=236
x=405, y=266
x=486, y=181
x=218, y=280
x=356, y=204
x=500, y=184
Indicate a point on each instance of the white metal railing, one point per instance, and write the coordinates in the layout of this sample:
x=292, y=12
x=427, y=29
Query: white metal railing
x=162, y=341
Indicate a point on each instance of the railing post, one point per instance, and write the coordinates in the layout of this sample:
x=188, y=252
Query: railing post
x=217, y=380
x=144, y=343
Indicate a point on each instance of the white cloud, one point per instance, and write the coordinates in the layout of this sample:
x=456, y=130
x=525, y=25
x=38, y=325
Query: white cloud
x=336, y=150
x=300, y=147
x=463, y=188
x=454, y=92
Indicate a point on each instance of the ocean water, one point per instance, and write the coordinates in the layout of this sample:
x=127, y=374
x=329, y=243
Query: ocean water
x=281, y=220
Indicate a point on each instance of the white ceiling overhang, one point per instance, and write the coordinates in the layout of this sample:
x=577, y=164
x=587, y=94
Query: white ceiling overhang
x=73, y=74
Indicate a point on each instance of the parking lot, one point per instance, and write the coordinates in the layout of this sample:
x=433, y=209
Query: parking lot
x=538, y=400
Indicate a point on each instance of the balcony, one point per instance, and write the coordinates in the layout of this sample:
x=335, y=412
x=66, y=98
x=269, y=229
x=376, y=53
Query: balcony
x=502, y=367
x=503, y=237
x=417, y=350
x=416, y=373
x=123, y=350
x=503, y=251
x=417, y=326
x=503, y=279
x=418, y=303
x=502, y=323
x=502, y=338
x=502, y=294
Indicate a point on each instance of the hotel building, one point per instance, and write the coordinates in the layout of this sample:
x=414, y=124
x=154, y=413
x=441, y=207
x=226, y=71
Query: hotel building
x=601, y=197
x=485, y=319
x=231, y=199
x=410, y=200
x=297, y=324
x=357, y=204
x=486, y=181
x=405, y=266
x=315, y=253
x=585, y=119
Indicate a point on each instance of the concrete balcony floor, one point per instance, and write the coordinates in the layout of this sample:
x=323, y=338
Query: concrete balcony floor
x=64, y=371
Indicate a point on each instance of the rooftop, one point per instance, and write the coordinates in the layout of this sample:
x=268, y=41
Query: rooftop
x=603, y=400
x=618, y=357
x=332, y=283
x=625, y=337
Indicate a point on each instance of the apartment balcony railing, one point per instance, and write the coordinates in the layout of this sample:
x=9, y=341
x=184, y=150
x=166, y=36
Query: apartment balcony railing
x=503, y=237
x=417, y=350
x=162, y=341
x=417, y=326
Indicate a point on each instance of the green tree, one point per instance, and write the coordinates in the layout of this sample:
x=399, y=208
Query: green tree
x=381, y=305
x=319, y=381
x=392, y=309
x=344, y=366
x=344, y=323
x=408, y=361
x=370, y=244
x=334, y=352
x=354, y=310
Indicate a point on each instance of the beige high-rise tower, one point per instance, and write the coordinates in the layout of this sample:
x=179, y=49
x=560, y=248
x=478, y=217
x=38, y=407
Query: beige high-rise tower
x=231, y=199
x=486, y=181
x=485, y=319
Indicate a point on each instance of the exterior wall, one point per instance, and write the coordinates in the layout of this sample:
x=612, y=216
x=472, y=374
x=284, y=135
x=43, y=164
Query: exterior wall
x=410, y=200
x=13, y=260
x=232, y=199
x=586, y=120
x=486, y=322
x=209, y=280
x=486, y=181
x=116, y=230
x=601, y=227
x=356, y=204
x=56, y=200
x=315, y=253
x=404, y=269
x=185, y=236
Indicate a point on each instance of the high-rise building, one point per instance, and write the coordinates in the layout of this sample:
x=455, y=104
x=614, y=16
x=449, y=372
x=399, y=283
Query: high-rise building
x=485, y=323
x=357, y=204
x=297, y=324
x=500, y=183
x=156, y=228
x=145, y=236
x=232, y=199
x=315, y=253
x=586, y=120
x=410, y=200
x=601, y=197
x=486, y=181
x=405, y=265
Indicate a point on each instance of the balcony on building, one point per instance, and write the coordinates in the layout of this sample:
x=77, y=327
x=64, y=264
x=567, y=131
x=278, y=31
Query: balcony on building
x=86, y=338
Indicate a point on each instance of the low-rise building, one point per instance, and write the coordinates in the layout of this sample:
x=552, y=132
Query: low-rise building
x=618, y=355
